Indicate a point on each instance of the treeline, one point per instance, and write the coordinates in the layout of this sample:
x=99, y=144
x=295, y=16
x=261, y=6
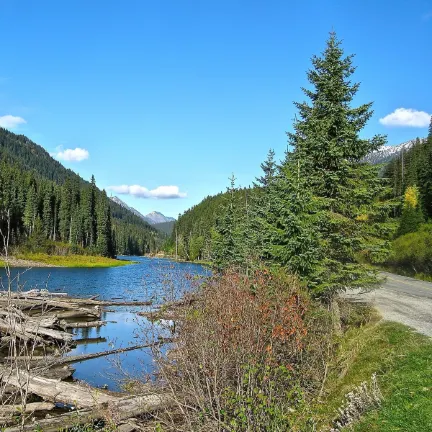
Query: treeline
x=411, y=177
x=34, y=210
x=45, y=207
x=322, y=211
x=414, y=168
x=194, y=232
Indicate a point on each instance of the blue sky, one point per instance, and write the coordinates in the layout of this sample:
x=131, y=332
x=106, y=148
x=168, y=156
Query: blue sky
x=184, y=93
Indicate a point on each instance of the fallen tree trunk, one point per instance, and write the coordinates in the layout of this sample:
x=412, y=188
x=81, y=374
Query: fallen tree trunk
x=55, y=391
x=78, y=313
x=19, y=333
x=29, y=408
x=123, y=408
x=83, y=357
x=84, y=324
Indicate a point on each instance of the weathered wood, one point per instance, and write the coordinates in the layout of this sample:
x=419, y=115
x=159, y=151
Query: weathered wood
x=29, y=408
x=55, y=391
x=32, y=330
x=83, y=357
x=78, y=313
x=54, y=334
x=19, y=333
x=19, y=316
x=58, y=373
x=84, y=324
x=124, y=409
x=48, y=305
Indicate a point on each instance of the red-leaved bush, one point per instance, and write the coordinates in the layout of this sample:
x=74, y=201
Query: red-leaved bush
x=247, y=354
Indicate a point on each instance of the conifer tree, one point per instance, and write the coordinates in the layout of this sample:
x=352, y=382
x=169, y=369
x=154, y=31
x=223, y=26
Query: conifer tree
x=225, y=249
x=47, y=214
x=30, y=211
x=327, y=152
x=412, y=215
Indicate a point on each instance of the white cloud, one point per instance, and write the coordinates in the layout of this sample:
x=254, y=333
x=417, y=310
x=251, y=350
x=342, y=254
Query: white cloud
x=427, y=16
x=161, y=192
x=406, y=117
x=10, y=121
x=71, y=155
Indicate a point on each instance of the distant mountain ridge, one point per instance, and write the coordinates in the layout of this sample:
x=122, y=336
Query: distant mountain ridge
x=153, y=218
x=157, y=218
x=389, y=152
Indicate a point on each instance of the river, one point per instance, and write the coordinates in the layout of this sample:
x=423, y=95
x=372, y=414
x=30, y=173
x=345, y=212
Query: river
x=158, y=280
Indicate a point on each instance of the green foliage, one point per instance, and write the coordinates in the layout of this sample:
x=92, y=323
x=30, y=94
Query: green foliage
x=414, y=168
x=267, y=401
x=328, y=202
x=319, y=211
x=412, y=215
x=413, y=251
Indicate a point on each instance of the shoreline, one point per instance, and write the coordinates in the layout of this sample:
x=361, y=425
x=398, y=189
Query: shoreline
x=57, y=261
x=19, y=262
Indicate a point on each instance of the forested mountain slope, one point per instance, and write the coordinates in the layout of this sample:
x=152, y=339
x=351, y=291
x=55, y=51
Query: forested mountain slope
x=41, y=201
x=413, y=167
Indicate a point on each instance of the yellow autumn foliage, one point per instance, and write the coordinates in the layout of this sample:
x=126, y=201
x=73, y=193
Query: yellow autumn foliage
x=411, y=198
x=362, y=218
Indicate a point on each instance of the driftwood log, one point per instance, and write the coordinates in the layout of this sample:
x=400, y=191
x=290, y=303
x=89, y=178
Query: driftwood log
x=54, y=390
x=28, y=408
x=124, y=408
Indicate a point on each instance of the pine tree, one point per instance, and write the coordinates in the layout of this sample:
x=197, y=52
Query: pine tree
x=105, y=246
x=327, y=155
x=412, y=216
x=30, y=211
x=269, y=169
x=226, y=244
x=47, y=214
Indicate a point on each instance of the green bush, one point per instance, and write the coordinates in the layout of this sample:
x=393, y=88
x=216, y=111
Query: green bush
x=413, y=251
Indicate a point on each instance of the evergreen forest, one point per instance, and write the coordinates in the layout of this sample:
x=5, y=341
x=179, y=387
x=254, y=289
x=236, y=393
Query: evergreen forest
x=46, y=207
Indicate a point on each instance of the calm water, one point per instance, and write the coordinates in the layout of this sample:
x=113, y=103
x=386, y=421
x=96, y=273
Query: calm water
x=155, y=279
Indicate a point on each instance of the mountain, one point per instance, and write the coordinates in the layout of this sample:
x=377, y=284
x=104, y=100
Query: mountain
x=131, y=209
x=165, y=227
x=45, y=198
x=389, y=152
x=155, y=217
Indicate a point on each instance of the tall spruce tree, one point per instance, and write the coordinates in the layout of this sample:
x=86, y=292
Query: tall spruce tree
x=327, y=153
x=226, y=250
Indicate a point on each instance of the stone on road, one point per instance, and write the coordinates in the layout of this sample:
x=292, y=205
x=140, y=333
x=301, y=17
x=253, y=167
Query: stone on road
x=401, y=299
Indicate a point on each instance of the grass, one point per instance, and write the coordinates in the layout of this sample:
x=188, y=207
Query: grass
x=402, y=360
x=88, y=261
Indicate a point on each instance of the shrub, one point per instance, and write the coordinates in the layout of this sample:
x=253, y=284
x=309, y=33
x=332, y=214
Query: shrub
x=249, y=353
x=413, y=251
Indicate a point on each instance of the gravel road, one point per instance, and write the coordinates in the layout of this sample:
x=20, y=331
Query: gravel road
x=402, y=299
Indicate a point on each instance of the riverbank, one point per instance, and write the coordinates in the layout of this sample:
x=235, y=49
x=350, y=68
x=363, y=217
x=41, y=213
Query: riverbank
x=162, y=255
x=77, y=261
x=400, y=358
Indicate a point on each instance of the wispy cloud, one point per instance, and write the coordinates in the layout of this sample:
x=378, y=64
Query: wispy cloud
x=161, y=192
x=427, y=16
x=71, y=155
x=11, y=122
x=406, y=117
